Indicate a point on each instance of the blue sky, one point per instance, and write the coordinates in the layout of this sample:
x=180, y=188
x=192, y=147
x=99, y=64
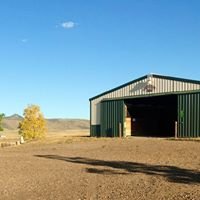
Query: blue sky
x=59, y=53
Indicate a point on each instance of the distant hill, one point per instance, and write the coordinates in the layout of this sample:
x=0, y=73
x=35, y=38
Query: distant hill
x=67, y=124
x=12, y=122
x=14, y=116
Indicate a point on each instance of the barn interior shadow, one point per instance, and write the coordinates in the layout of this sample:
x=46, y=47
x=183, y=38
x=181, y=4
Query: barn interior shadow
x=171, y=173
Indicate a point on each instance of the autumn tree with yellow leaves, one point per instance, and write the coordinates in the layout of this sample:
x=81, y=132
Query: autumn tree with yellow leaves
x=33, y=126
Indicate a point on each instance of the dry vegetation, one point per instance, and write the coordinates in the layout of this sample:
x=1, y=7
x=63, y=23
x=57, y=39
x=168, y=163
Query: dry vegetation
x=70, y=165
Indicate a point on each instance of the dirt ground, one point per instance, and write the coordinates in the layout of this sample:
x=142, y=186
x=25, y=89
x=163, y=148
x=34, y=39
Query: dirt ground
x=81, y=168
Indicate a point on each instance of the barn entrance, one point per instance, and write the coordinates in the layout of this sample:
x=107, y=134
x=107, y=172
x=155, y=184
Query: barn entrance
x=151, y=116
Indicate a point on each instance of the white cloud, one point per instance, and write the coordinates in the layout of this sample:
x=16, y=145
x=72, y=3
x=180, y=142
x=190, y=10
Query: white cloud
x=24, y=40
x=68, y=25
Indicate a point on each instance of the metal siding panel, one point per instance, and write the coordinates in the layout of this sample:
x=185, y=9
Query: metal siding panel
x=123, y=91
x=111, y=116
x=95, y=131
x=195, y=116
x=168, y=86
x=135, y=91
x=179, y=117
x=157, y=83
x=171, y=85
x=187, y=119
x=102, y=120
x=93, y=112
x=165, y=86
x=187, y=87
x=180, y=86
x=174, y=89
x=118, y=93
x=182, y=119
x=115, y=112
x=115, y=117
x=175, y=86
x=128, y=90
x=184, y=125
x=138, y=91
x=188, y=107
x=192, y=115
x=189, y=103
x=161, y=85
x=198, y=116
x=107, y=107
x=98, y=110
x=141, y=91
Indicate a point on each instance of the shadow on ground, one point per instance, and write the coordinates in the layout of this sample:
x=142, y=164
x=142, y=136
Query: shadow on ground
x=171, y=173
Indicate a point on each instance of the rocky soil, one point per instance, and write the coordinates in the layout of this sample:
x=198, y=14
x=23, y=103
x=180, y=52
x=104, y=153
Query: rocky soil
x=90, y=168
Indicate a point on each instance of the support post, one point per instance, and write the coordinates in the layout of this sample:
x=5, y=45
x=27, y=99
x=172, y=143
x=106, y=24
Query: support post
x=176, y=129
x=120, y=130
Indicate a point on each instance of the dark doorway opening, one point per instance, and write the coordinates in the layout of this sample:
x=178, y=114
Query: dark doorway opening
x=152, y=116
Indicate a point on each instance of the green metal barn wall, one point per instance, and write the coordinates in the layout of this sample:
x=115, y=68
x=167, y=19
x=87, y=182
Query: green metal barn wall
x=112, y=113
x=95, y=130
x=189, y=115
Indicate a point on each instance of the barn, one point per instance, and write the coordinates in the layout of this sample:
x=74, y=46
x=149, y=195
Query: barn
x=152, y=105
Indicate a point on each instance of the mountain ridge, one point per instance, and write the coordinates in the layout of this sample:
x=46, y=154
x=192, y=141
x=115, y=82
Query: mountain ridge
x=53, y=124
x=14, y=116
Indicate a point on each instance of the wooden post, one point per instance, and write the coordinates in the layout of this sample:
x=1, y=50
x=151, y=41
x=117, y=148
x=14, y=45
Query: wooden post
x=120, y=130
x=176, y=129
x=21, y=140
